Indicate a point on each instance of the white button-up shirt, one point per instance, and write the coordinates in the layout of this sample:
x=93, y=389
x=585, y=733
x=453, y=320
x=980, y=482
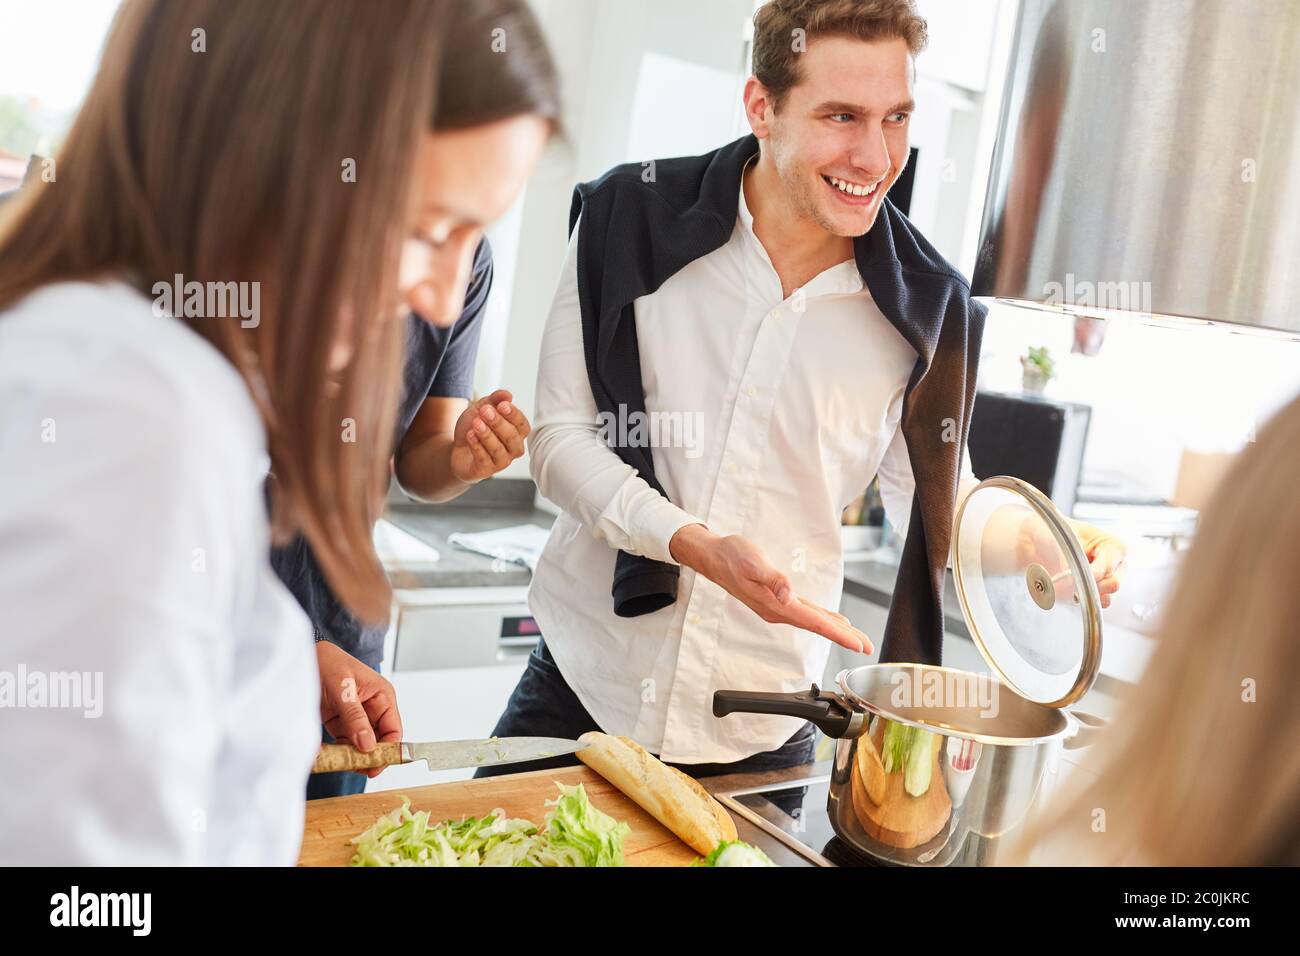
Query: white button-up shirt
x=135, y=577
x=767, y=417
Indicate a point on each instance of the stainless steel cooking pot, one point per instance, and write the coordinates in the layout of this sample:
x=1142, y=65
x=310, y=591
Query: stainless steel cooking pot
x=935, y=766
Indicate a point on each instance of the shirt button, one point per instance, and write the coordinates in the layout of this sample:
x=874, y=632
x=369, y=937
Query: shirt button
x=751, y=391
x=731, y=468
x=694, y=619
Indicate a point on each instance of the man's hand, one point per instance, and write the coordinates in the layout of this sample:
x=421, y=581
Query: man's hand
x=356, y=703
x=737, y=566
x=489, y=435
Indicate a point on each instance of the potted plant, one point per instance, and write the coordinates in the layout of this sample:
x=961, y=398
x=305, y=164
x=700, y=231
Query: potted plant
x=1038, y=369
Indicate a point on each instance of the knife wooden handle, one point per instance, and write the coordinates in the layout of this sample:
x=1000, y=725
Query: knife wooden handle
x=335, y=757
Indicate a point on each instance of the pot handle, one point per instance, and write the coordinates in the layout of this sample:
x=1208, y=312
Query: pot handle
x=1090, y=728
x=833, y=714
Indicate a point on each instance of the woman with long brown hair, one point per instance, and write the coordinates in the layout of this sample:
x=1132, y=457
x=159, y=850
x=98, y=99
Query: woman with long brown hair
x=1200, y=766
x=498, y=93
x=212, y=283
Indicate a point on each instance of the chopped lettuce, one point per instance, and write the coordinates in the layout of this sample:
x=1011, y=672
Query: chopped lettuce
x=577, y=834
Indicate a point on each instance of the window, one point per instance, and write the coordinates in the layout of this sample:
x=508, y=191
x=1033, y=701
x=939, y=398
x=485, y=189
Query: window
x=48, y=55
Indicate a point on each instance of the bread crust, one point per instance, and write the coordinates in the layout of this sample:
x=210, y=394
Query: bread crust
x=673, y=798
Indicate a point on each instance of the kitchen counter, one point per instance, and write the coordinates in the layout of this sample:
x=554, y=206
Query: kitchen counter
x=873, y=581
x=500, y=503
x=497, y=503
x=767, y=778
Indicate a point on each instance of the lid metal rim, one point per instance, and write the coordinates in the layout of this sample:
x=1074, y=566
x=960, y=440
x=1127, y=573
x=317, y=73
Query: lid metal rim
x=861, y=702
x=1043, y=506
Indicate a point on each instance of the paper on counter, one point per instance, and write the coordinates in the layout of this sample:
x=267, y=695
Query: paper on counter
x=519, y=544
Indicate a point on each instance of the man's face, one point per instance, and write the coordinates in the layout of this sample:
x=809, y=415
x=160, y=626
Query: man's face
x=840, y=138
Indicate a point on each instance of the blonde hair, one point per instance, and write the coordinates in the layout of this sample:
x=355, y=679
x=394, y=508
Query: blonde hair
x=1201, y=766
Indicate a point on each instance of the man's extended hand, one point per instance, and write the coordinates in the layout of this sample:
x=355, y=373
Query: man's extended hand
x=357, y=705
x=740, y=568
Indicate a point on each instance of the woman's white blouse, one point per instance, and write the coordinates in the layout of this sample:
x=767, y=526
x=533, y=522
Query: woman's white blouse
x=158, y=685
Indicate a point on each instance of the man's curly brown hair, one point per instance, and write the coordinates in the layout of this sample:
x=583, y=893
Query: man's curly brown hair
x=777, y=44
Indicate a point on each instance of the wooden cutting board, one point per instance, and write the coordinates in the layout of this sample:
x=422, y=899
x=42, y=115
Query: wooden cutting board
x=333, y=822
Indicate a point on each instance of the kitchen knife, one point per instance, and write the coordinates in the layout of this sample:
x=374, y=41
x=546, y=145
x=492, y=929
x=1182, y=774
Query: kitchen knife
x=444, y=755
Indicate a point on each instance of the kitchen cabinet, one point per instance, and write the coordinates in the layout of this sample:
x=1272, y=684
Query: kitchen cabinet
x=453, y=655
x=460, y=703
x=447, y=628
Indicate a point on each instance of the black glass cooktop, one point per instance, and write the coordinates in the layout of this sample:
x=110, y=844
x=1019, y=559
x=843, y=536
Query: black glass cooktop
x=795, y=814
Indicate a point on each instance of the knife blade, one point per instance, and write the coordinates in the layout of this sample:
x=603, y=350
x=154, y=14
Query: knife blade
x=444, y=754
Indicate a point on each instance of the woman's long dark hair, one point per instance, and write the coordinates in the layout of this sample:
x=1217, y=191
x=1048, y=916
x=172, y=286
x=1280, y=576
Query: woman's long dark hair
x=215, y=143
x=496, y=65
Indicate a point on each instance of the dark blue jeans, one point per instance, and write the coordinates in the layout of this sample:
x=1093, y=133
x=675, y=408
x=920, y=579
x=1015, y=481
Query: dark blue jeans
x=543, y=705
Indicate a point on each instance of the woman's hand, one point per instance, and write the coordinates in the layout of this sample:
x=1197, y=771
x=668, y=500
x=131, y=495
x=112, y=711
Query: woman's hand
x=1105, y=554
x=357, y=705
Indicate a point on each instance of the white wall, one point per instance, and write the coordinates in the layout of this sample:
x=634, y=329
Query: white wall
x=634, y=73
x=1154, y=391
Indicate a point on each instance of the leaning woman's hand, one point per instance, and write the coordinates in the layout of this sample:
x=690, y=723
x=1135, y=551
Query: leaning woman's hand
x=356, y=703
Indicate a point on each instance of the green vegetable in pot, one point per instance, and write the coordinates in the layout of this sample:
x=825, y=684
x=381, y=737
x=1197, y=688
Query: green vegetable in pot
x=907, y=749
x=893, y=746
x=916, y=775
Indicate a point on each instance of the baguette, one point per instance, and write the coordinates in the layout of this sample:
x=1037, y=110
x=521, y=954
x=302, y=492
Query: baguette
x=670, y=796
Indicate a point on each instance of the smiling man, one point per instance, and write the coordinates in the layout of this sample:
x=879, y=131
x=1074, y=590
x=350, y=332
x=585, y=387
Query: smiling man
x=772, y=287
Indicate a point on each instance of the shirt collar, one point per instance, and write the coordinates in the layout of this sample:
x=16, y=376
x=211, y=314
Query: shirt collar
x=840, y=279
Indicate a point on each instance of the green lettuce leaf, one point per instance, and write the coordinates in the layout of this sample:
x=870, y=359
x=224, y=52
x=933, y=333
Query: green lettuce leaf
x=577, y=834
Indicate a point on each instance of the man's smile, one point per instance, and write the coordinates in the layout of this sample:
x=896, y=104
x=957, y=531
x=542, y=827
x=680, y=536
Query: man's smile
x=851, y=192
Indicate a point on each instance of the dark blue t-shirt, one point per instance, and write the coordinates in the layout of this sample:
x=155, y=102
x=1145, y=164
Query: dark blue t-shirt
x=439, y=364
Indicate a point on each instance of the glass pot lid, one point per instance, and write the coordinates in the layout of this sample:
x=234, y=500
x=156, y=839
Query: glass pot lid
x=1026, y=592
